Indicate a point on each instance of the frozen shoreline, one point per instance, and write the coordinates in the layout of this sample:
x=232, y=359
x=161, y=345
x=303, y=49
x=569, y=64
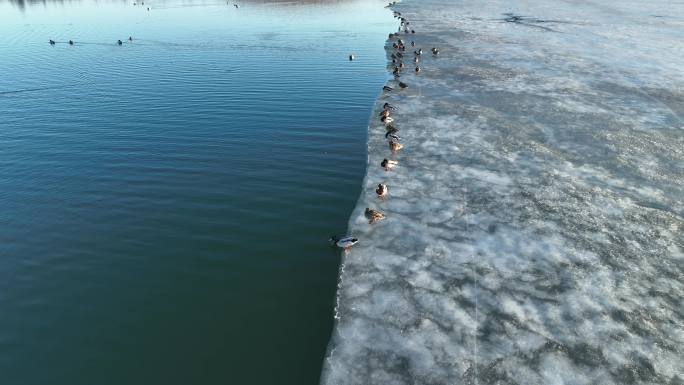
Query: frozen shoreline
x=533, y=230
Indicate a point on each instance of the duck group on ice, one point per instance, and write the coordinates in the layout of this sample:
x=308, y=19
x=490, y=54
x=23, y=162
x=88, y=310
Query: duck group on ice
x=398, y=54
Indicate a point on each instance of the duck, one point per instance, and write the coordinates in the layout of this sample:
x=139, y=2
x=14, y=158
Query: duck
x=391, y=136
x=387, y=120
x=374, y=215
x=416, y=60
x=236, y=6
x=351, y=57
x=435, y=51
x=391, y=130
x=387, y=89
x=130, y=38
x=395, y=146
x=384, y=113
x=119, y=42
x=382, y=190
x=417, y=69
x=344, y=242
x=52, y=42
x=71, y=42
x=388, y=164
x=413, y=44
x=403, y=85
x=418, y=52
x=387, y=106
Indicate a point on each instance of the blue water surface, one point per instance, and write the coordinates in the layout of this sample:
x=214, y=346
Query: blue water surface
x=165, y=204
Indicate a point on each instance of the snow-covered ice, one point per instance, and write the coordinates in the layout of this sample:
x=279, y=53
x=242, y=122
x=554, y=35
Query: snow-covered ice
x=534, y=230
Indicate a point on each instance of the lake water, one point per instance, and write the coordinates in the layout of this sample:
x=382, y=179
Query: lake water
x=165, y=204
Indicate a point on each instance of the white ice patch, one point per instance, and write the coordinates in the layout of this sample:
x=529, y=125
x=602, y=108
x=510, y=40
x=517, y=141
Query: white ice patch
x=534, y=223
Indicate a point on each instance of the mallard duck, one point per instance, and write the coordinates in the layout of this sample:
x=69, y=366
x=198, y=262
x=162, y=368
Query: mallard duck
x=351, y=57
x=384, y=113
x=391, y=136
x=344, y=242
x=417, y=69
x=388, y=164
x=416, y=60
x=119, y=42
x=387, y=89
x=381, y=190
x=388, y=106
x=395, y=146
x=413, y=44
x=387, y=119
x=374, y=215
x=52, y=42
x=71, y=42
x=403, y=85
x=418, y=52
x=236, y=6
x=435, y=51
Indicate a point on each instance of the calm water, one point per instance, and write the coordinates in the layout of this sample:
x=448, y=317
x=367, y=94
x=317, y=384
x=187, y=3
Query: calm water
x=165, y=204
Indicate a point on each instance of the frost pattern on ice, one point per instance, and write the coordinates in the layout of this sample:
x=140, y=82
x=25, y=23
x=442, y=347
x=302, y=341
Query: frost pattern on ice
x=534, y=230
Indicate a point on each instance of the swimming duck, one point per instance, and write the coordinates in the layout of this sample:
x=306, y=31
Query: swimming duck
x=71, y=42
x=403, y=85
x=381, y=190
x=344, y=242
x=387, y=89
x=52, y=42
x=374, y=215
x=412, y=31
x=119, y=42
x=435, y=51
x=395, y=146
x=388, y=164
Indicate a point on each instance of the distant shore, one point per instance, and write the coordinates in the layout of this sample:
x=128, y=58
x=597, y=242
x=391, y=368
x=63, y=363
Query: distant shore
x=533, y=223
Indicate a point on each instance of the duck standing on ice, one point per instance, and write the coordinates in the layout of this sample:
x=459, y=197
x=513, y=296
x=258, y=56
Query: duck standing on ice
x=388, y=164
x=373, y=215
x=381, y=190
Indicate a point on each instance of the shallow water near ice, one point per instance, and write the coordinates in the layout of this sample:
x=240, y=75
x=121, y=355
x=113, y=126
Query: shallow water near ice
x=534, y=222
x=165, y=204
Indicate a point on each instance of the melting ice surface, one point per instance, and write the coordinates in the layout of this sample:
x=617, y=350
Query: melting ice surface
x=534, y=223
